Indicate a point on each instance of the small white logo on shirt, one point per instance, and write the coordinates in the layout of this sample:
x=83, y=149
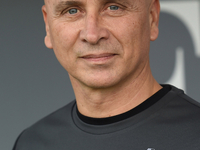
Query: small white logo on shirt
x=150, y=149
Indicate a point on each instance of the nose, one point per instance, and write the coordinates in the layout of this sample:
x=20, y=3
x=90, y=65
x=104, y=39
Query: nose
x=93, y=31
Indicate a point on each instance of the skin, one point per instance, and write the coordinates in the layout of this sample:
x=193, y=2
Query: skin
x=105, y=50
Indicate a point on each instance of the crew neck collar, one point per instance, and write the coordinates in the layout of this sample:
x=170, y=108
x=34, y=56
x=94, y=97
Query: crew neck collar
x=109, y=120
x=132, y=121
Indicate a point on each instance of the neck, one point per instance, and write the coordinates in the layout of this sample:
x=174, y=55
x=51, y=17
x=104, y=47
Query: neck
x=101, y=103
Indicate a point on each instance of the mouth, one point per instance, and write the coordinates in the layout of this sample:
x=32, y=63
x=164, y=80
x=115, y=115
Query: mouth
x=98, y=57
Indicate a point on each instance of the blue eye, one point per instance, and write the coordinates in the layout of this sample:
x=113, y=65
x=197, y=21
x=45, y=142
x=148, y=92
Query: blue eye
x=114, y=7
x=73, y=11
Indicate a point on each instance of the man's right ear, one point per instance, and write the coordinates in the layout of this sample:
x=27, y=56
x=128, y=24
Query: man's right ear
x=47, y=39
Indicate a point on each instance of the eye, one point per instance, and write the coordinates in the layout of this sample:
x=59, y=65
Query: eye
x=113, y=7
x=73, y=11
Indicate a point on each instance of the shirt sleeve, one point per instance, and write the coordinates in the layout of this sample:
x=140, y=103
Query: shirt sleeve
x=15, y=145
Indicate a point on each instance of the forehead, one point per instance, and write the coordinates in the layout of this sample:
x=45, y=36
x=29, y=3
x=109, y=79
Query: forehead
x=54, y=6
x=58, y=1
x=54, y=2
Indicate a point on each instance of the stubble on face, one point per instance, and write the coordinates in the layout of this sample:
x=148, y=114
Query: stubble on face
x=104, y=46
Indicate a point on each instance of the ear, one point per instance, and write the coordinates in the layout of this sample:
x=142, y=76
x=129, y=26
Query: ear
x=47, y=39
x=154, y=19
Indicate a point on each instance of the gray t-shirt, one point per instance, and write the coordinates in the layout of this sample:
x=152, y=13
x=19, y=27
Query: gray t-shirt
x=171, y=123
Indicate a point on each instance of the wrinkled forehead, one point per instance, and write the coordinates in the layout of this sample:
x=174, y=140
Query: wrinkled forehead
x=54, y=6
x=54, y=2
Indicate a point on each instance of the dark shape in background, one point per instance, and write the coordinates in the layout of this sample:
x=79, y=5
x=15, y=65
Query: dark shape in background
x=173, y=34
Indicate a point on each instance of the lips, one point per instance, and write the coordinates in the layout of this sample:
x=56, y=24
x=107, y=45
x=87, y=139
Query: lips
x=93, y=56
x=98, y=57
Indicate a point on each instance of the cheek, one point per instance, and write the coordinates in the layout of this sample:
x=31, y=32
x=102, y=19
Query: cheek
x=63, y=39
x=62, y=36
x=127, y=30
x=128, y=35
x=133, y=34
x=123, y=27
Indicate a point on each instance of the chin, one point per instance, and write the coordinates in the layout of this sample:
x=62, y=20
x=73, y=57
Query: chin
x=101, y=83
x=97, y=80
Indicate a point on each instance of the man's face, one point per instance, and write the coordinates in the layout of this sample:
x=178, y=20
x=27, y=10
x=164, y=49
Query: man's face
x=101, y=43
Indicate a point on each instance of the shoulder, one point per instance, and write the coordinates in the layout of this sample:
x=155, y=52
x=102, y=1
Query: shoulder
x=180, y=106
x=184, y=98
x=46, y=128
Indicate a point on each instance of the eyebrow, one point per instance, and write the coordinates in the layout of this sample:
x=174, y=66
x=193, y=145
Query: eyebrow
x=67, y=3
x=114, y=1
x=110, y=1
x=63, y=4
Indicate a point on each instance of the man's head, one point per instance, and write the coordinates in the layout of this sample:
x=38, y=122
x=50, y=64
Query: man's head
x=101, y=43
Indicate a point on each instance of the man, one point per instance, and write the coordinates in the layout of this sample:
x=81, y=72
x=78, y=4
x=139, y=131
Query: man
x=104, y=46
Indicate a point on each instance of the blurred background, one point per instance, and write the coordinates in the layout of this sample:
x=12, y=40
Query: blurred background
x=33, y=83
